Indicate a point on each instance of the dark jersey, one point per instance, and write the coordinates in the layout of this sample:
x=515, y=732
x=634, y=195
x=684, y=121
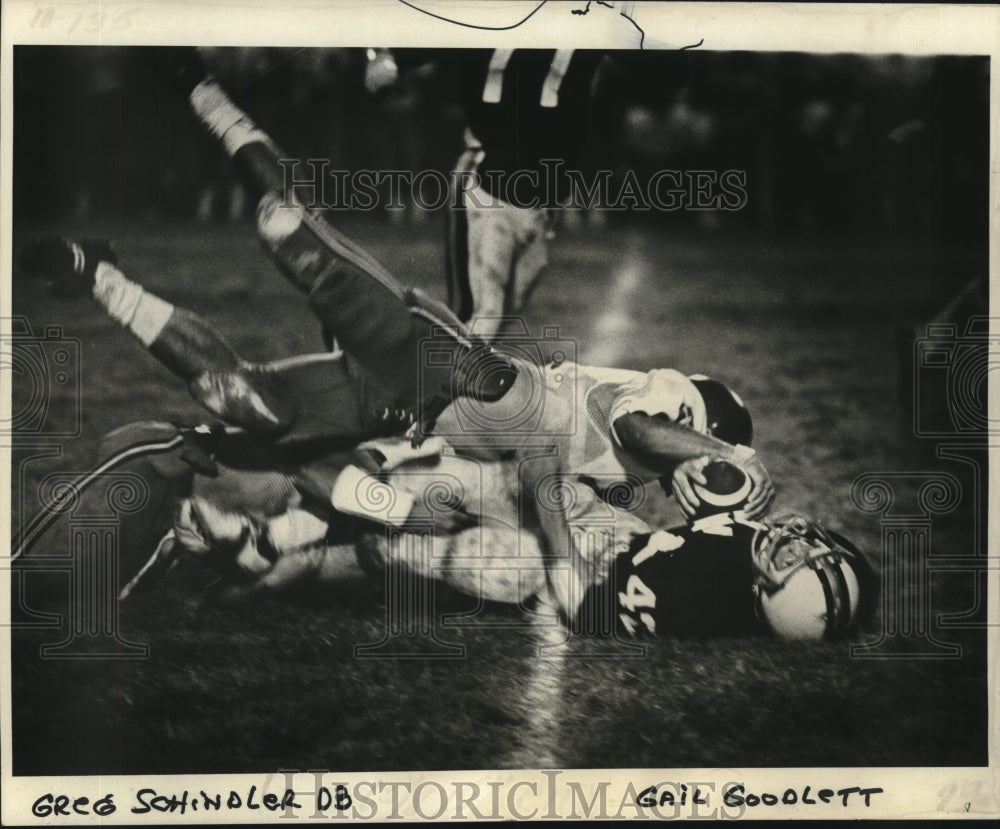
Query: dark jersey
x=522, y=106
x=687, y=581
x=527, y=105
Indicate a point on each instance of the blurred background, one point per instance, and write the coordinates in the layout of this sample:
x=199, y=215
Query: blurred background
x=861, y=144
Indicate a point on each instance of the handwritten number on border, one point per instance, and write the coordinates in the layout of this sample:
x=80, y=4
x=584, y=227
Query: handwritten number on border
x=91, y=23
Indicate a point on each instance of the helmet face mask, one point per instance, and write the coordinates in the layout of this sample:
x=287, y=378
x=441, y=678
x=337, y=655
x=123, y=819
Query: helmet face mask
x=808, y=585
x=785, y=546
x=792, y=551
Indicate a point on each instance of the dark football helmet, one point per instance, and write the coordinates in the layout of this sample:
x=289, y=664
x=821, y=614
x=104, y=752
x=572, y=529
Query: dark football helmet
x=725, y=413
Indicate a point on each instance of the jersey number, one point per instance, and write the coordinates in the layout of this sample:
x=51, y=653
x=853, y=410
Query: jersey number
x=493, y=89
x=636, y=597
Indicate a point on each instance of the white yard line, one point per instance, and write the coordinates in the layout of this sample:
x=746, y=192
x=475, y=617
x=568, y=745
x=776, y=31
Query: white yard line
x=543, y=694
x=608, y=345
x=608, y=342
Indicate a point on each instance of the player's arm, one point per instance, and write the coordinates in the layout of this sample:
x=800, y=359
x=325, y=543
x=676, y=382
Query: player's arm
x=564, y=572
x=359, y=483
x=661, y=444
x=667, y=447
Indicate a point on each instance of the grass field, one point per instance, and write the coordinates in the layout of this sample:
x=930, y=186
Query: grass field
x=804, y=328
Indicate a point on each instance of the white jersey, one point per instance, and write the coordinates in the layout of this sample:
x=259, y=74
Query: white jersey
x=501, y=558
x=596, y=397
x=574, y=407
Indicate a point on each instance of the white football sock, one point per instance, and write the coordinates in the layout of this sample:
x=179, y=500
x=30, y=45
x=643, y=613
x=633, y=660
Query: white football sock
x=127, y=303
x=224, y=119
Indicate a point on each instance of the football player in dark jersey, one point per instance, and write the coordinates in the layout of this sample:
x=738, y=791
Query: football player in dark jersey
x=527, y=113
x=725, y=575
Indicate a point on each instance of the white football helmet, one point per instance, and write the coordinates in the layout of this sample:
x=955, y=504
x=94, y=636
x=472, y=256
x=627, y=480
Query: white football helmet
x=809, y=583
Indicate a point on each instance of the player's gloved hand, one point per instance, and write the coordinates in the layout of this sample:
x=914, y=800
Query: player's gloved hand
x=762, y=490
x=686, y=474
x=68, y=266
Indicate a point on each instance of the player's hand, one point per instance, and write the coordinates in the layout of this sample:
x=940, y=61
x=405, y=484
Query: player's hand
x=381, y=70
x=686, y=474
x=762, y=492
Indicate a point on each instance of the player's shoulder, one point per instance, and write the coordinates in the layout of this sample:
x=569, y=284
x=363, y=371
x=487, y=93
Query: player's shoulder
x=664, y=391
x=607, y=374
x=724, y=531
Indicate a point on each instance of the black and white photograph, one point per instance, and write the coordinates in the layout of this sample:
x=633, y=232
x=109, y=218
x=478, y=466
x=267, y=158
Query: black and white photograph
x=527, y=410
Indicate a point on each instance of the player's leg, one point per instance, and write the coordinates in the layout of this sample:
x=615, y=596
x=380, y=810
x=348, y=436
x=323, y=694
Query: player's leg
x=492, y=249
x=532, y=257
x=457, y=242
x=371, y=314
x=260, y=556
x=180, y=339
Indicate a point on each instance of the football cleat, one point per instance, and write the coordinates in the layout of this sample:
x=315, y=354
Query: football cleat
x=725, y=413
x=809, y=583
x=480, y=371
x=69, y=267
x=484, y=375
